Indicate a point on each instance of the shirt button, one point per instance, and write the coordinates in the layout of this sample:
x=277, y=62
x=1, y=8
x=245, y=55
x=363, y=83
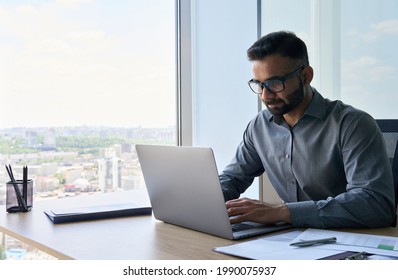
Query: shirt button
x=287, y=156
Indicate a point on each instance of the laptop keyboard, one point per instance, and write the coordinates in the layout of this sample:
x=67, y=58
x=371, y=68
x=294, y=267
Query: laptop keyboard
x=241, y=226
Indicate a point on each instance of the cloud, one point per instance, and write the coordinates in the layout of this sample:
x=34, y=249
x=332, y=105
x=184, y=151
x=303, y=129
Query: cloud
x=386, y=27
x=367, y=68
x=366, y=79
x=72, y=3
x=376, y=30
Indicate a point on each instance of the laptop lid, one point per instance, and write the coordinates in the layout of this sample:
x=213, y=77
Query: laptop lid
x=184, y=190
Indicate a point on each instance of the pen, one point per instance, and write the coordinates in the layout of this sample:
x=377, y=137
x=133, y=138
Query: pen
x=21, y=202
x=25, y=184
x=314, y=242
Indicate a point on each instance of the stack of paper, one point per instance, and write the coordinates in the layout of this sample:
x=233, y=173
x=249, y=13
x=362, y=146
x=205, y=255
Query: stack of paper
x=278, y=247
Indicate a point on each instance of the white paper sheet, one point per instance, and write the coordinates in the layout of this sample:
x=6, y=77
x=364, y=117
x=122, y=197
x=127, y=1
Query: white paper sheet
x=276, y=248
x=374, y=244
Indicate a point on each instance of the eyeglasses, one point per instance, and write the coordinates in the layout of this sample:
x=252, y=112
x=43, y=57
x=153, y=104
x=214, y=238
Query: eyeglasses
x=274, y=85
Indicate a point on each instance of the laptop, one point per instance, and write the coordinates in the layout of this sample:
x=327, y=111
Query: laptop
x=184, y=189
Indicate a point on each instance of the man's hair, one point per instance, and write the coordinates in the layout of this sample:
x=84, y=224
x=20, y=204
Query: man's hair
x=282, y=43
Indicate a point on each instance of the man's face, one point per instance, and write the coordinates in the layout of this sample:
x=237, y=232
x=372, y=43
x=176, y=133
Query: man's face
x=276, y=67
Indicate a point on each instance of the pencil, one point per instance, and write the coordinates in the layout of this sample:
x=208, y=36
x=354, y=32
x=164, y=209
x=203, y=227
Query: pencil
x=21, y=202
x=25, y=185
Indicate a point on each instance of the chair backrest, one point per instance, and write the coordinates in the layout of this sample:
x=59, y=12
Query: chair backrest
x=389, y=128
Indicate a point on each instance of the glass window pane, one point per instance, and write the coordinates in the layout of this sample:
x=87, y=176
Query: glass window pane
x=223, y=104
x=291, y=15
x=81, y=83
x=369, y=39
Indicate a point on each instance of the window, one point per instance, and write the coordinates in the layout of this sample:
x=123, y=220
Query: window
x=369, y=36
x=351, y=47
x=81, y=82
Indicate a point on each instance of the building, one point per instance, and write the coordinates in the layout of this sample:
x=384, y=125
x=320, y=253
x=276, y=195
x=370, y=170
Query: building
x=109, y=174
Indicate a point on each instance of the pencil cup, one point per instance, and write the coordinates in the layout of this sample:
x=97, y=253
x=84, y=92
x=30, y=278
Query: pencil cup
x=13, y=204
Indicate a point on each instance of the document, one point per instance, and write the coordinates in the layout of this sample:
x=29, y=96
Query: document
x=279, y=247
x=276, y=247
x=373, y=244
x=65, y=215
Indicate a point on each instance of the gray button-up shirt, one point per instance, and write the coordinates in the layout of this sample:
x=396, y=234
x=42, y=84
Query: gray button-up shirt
x=331, y=168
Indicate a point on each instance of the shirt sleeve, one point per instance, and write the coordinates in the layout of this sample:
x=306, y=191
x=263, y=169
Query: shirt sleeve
x=244, y=167
x=369, y=197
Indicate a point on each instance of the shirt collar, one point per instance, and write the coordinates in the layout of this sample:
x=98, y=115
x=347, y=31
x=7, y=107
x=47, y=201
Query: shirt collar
x=316, y=108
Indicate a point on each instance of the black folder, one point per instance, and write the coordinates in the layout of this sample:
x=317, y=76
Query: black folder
x=66, y=215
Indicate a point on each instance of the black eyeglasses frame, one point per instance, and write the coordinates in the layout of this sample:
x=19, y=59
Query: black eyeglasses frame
x=265, y=84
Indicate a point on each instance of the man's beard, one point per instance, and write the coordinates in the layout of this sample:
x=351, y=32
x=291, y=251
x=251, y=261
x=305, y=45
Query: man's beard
x=293, y=99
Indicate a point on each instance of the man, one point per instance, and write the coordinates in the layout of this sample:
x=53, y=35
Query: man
x=326, y=160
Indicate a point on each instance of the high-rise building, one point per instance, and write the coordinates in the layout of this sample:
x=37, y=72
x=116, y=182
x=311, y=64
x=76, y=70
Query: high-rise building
x=109, y=174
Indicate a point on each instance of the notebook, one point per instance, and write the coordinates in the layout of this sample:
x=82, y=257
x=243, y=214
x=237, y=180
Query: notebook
x=184, y=189
x=76, y=214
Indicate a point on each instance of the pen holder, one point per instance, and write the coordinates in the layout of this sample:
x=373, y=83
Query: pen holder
x=12, y=203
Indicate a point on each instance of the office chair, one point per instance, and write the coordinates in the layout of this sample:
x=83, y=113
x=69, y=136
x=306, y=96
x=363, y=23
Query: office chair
x=389, y=128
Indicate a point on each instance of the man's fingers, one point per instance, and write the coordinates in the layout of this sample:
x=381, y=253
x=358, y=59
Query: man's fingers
x=239, y=202
x=237, y=219
x=234, y=211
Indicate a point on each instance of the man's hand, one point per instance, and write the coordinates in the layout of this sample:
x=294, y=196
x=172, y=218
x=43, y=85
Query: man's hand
x=245, y=209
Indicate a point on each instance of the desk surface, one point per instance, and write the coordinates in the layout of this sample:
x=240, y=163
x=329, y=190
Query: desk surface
x=140, y=237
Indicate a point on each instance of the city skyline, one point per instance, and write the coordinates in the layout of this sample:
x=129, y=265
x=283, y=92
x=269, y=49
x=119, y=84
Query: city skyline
x=69, y=161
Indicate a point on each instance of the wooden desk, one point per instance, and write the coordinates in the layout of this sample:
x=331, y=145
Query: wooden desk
x=139, y=238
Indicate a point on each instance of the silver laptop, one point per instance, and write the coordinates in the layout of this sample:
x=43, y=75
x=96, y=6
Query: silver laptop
x=184, y=190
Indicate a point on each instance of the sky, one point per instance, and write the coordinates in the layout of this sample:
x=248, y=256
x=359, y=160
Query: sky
x=369, y=57
x=87, y=62
x=101, y=62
